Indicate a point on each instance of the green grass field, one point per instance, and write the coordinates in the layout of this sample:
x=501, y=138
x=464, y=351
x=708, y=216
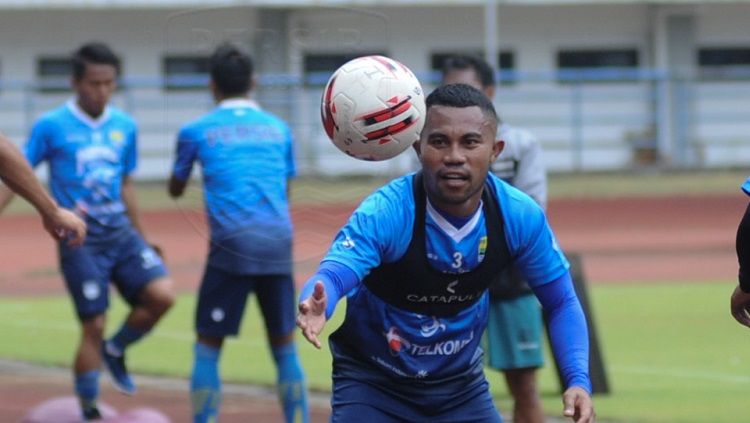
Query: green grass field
x=672, y=352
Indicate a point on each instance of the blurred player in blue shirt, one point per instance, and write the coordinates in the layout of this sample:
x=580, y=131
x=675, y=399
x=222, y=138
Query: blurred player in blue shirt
x=414, y=262
x=91, y=151
x=246, y=158
x=514, y=331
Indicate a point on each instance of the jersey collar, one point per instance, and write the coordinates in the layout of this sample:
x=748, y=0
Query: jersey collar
x=84, y=117
x=235, y=103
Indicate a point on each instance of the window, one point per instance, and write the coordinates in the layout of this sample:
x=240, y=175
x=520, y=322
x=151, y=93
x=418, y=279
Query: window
x=185, y=72
x=726, y=63
x=596, y=64
x=505, y=63
x=53, y=73
x=318, y=67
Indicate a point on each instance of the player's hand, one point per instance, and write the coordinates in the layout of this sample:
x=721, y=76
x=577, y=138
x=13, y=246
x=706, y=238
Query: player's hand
x=312, y=314
x=63, y=224
x=578, y=406
x=740, y=306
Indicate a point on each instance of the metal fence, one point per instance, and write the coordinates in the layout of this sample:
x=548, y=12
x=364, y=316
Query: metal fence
x=586, y=120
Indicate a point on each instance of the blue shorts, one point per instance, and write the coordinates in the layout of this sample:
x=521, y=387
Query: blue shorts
x=354, y=400
x=514, y=334
x=223, y=295
x=128, y=262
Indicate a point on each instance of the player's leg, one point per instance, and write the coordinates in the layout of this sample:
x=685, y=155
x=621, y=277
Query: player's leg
x=515, y=347
x=523, y=387
x=142, y=279
x=276, y=298
x=83, y=270
x=221, y=304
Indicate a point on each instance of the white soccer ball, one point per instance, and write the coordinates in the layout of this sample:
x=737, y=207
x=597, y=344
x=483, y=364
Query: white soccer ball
x=373, y=108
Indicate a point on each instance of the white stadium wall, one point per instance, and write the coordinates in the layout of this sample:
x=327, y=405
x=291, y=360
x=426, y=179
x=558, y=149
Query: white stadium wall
x=590, y=132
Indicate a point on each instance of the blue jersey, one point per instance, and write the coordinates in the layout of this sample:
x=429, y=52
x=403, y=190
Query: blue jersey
x=746, y=186
x=246, y=158
x=88, y=159
x=409, y=345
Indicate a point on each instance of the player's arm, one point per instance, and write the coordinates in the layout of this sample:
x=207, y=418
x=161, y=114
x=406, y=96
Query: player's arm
x=186, y=152
x=531, y=176
x=131, y=203
x=176, y=186
x=570, y=345
x=19, y=177
x=740, y=300
x=319, y=297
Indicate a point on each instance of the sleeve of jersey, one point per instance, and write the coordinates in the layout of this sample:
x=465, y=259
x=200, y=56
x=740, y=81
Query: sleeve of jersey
x=337, y=280
x=746, y=186
x=37, y=146
x=743, y=250
x=567, y=329
x=378, y=231
x=185, y=154
x=531, y=241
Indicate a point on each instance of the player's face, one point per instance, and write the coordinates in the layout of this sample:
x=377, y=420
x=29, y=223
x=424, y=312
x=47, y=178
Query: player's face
x=95, y=87
x=466, y=76
x=456, y=148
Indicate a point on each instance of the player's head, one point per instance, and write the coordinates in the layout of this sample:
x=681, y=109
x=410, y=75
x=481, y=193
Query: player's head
x=94, y=79
x=471, y=70
x=457, y=146
x=231, y=72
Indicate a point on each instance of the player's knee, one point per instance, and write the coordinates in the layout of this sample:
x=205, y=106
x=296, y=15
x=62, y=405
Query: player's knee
x=159, y=297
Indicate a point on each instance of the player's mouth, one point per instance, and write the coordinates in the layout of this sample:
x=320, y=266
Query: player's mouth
x=454, y=179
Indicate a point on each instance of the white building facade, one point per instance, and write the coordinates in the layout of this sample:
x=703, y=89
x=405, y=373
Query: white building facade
x=604, y=85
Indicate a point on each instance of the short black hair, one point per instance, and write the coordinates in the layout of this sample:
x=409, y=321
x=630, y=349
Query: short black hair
x=231, y=70
x=96, y=53
x=461, y=95
x=480, y=66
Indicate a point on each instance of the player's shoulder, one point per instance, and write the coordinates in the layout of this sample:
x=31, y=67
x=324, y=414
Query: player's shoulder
x=396, y=194
x=514, y=202
x=120, y=116
x=746, y=186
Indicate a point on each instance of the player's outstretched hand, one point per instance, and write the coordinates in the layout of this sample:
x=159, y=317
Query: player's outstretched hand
x=577, y=405
x=63, y=224
x=312, y=314
x=740, y=306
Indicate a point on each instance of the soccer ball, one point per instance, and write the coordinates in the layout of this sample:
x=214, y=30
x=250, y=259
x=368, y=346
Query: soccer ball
x=373, y=108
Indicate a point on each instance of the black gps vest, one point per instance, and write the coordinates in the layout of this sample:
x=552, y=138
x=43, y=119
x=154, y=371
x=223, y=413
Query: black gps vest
x=411, y=283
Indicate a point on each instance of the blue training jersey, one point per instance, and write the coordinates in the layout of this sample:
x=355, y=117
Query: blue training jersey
x=410, y=345
x=746, y=186
x=88, y=159
x=246, y=158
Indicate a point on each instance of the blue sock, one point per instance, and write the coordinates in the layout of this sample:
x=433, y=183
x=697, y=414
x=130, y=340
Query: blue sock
x=205, y=384
x=291, y=383
x=87, y=388
x=126, y=336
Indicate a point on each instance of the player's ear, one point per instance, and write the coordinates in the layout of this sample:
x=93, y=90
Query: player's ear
x=497, y=148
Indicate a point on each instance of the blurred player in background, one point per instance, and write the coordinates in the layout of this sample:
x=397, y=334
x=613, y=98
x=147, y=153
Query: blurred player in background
x=740, y=301
x=415, y=261
x=514, y=332
x=247, y=160
x=15, y=172
x=91, y=151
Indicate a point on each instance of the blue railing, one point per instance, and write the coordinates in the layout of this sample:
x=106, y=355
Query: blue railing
x=586, y=119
